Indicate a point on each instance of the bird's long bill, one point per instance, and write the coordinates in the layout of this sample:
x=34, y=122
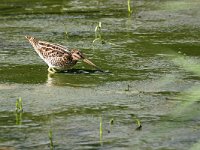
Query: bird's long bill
x=90, y=63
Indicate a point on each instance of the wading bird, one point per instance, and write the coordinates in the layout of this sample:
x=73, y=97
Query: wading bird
x=59, y=58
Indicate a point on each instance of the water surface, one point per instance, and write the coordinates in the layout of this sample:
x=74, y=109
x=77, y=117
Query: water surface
x=151, y=59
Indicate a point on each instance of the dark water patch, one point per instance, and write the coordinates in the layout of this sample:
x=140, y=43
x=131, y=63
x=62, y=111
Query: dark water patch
x=36, y=74
x=89, y=110
x=23, y=120
x=22, y=74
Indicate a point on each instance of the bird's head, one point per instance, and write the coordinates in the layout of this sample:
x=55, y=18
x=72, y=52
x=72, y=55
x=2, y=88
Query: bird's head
x=32, y=40
x=78, y=55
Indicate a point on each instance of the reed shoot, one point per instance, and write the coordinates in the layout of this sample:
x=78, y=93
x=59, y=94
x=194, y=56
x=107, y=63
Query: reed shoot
x=19, y=106
x=101, y=131
x=51, y=140
x=129, y=7
x=98, y=33
x=139, y=125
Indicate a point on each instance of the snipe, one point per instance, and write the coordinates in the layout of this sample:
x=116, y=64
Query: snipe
x=59, y=58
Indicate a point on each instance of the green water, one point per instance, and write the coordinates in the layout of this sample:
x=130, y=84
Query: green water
x=151, y=59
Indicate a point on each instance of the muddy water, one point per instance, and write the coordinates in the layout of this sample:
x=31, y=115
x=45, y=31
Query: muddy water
x=151, y=62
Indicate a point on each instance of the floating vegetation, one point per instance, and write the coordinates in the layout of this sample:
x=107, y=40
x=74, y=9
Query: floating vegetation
x=51, y=139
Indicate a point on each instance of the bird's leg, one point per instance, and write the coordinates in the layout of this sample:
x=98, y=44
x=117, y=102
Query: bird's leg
x=51, y=70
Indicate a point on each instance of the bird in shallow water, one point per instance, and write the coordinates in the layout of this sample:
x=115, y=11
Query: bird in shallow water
x=59, y=58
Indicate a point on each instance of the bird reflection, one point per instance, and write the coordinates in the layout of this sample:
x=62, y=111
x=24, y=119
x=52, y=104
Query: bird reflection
x=71, y=78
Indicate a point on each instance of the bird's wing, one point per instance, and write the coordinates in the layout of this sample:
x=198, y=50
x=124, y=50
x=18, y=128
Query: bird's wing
x=53, y=54
x=47, y=49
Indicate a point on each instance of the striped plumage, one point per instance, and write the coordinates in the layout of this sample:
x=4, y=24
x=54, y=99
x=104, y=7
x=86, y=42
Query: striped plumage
x=58, y=57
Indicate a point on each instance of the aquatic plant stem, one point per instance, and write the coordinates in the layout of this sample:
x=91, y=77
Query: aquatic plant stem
x=51, y=139
x=129, y=7
x=101, y=131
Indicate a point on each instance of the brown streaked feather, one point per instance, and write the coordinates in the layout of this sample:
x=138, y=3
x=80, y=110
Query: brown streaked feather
x=53, y=46
x=54, y=55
